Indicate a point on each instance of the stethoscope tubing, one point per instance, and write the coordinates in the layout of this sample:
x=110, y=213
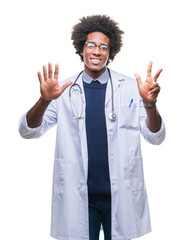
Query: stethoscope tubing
x=75, y=84
x=112, y=114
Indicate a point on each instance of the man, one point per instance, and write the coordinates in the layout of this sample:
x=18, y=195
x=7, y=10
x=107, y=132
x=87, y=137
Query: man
x=98, y=170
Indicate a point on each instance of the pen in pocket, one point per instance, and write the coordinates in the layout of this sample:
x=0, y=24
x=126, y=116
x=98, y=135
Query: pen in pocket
x=131, y=102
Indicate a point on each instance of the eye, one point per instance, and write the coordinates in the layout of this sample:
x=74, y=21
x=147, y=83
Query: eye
x=104, y=47
x=90, y=45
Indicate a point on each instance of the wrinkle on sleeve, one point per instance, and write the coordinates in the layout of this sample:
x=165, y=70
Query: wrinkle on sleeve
x=49, y=120
x=153, y=138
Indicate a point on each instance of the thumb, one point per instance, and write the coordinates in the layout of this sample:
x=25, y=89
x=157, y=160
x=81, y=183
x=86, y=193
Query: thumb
x=65, y=85
x=138, y=78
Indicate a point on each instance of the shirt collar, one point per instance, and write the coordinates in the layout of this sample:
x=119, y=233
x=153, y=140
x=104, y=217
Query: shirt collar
x=102, y=79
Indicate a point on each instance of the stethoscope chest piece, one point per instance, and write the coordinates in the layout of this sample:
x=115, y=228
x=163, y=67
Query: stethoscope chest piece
x=112, y=116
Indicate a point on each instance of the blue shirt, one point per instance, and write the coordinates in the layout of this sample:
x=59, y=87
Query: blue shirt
x=102, y=79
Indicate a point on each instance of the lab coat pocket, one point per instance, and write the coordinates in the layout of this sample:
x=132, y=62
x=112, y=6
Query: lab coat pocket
x=58, y=177
x=135, y=174
x=128, y=115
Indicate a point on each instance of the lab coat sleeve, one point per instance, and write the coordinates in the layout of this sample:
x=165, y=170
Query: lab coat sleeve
x=49, y=120
x=153, y=138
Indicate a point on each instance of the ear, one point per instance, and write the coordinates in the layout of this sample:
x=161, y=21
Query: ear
x=109, y=58
x=82, y=56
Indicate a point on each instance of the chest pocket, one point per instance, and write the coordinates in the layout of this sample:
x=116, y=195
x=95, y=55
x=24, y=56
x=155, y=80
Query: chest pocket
x=128, y=115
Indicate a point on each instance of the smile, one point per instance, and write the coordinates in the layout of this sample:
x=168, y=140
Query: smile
x=95, y=60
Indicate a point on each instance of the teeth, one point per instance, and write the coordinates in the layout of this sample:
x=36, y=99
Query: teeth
x=95, y=60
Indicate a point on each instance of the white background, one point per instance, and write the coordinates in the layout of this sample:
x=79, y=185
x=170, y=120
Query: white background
x=37, y=31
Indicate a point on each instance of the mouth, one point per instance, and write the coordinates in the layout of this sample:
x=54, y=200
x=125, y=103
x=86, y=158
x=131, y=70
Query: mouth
x=95, y=61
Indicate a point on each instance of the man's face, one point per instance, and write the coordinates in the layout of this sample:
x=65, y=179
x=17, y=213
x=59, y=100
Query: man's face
x=95, y=59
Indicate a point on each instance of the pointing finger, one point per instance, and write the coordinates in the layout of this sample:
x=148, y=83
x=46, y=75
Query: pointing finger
x=56, y=71
x=45, y=72
x=149, y=69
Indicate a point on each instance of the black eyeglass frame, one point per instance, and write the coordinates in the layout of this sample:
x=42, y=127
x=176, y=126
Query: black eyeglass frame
x=99, y=46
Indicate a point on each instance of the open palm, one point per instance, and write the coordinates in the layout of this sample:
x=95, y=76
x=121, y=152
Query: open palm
x=49, y=87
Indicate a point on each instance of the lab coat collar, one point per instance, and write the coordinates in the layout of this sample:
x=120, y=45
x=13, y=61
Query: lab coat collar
x=117, y=78
x=102, y=79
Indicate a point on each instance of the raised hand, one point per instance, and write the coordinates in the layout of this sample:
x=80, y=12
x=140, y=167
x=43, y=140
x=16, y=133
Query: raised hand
x=149, y=89
x=49, y=87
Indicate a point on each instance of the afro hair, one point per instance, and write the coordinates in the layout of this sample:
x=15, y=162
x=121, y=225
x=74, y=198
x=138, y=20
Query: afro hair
x=97, y=23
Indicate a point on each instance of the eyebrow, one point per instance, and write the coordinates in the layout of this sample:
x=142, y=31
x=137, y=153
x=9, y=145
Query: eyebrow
x=97, y=44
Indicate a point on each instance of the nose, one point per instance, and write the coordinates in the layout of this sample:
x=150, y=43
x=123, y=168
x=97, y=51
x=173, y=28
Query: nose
x=96, y=51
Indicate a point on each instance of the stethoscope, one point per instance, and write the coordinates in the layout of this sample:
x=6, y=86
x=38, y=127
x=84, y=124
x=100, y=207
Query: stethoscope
x=112, y=114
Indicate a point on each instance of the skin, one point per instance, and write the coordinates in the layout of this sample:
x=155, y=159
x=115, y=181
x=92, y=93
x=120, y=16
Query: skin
x=49, y=89
x=149, y=91
x=91, y=57
x=94, y=64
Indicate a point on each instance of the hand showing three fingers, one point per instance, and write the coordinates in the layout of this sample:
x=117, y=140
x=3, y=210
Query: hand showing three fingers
x=149, y=89
x=49, y=87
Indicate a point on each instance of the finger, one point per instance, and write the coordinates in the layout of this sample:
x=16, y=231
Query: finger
x=65, y=85
x=45, y=72
x=155, y=90
x=50, y=69
x=154, y=86
x=40, y=77
x=157, y=74
x=149, y=70
x=139, y=81
x=56, y=73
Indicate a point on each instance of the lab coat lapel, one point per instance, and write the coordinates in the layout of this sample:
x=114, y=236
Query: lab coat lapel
x=116, y=81
x=82, y=131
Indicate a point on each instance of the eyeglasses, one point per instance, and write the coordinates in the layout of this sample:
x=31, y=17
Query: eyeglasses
x=92, y=46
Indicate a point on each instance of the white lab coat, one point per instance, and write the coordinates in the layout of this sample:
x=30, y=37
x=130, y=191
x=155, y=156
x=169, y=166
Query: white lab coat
x=130, y=211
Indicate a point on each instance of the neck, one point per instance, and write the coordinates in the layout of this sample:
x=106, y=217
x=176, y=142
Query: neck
x=94, y=74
